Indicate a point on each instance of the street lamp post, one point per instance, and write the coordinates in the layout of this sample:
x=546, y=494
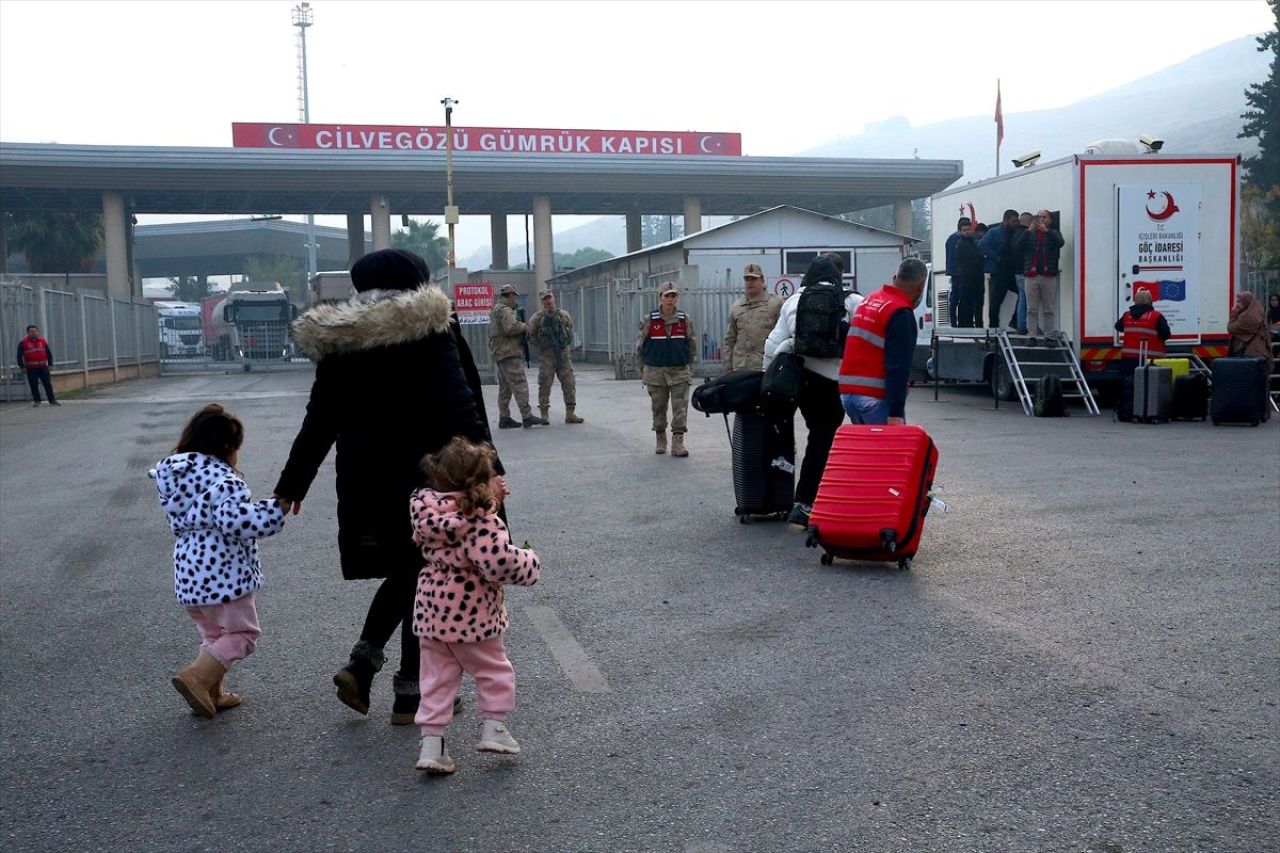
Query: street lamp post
x=450, y=212
x=302, y=19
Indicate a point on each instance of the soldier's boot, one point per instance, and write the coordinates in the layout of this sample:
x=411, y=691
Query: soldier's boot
x=546, y=410
x=662, y=443
x=677, y=444
x=569, y=416
x=508, y=422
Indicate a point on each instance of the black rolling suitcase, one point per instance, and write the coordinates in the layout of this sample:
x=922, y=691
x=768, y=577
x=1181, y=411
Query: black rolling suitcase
x=1191, y=397
x=1239, y=391
x=1152, y=394
x=763, y=466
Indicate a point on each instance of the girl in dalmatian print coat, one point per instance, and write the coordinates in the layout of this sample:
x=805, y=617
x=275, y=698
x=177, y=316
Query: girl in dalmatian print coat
x=458, y=615
x=216, y=569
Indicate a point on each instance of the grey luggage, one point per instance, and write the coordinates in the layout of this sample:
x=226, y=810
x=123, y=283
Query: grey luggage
x=763, y=466
x=1153, y=394
x=1239, y=393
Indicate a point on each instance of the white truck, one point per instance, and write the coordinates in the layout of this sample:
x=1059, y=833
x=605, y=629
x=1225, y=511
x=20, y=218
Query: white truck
x=1169, y=224
x=252, y=322
x=181, y=329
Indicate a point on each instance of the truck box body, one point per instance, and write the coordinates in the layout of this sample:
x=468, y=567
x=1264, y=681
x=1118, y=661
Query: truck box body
x=1167, y=224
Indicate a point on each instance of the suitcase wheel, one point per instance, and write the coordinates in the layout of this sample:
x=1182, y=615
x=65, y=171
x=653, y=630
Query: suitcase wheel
x=743, y=518
x=904, y=564
x=827, y=559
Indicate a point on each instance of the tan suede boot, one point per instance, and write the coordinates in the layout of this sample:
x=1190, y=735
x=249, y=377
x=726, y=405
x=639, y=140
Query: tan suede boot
x=546, y=410
x=196, y=682
x=570, y=417
x=223, y=699
x=662, y=443
x=677, y=444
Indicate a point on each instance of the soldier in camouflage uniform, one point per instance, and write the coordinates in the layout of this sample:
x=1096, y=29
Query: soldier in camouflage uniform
x=751, y=319
x=666, y=347
x=551, y=331
x=506, y=336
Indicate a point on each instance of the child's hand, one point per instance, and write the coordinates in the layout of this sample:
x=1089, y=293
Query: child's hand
x=500, y=490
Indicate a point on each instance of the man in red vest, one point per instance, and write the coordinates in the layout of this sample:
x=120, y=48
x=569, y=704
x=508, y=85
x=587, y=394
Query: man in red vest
x=1141, y=324
x=35, y=358
x=878, y=349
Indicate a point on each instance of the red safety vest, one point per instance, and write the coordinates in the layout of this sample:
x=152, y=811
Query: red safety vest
x=34, y=353
x=1138, y=331
x=862, y=369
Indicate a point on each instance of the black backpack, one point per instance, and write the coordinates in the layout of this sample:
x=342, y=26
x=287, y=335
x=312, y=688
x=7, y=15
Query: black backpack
x=820, y=320
x=1049, y=402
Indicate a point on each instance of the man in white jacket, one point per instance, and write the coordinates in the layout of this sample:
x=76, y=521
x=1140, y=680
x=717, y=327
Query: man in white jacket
x=819, y=401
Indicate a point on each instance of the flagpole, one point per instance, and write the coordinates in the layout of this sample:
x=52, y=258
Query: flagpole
x=999, y=126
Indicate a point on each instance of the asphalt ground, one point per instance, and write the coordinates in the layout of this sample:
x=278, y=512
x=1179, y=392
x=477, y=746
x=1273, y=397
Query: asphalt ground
x=1083, y=657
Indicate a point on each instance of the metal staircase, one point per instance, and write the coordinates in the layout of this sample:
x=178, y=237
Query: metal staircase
x=1049, y=354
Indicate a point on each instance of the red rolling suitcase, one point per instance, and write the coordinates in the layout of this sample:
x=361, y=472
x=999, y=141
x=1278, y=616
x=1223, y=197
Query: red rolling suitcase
x=874, y=494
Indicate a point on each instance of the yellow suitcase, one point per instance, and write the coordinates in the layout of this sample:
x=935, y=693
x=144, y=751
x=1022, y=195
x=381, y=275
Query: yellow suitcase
x=1179, y=366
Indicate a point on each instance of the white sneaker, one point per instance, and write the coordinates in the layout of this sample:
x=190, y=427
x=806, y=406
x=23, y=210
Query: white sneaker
x=496, y=738
x=434, y=756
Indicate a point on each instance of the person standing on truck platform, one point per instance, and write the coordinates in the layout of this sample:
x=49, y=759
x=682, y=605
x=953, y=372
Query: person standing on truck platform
x=997, y=252
x=953, y=273
x=1040, y=266
x=506, y=345
x=35, y=358
x=969, y=264
x=1018, y=322
x=751, y=319
x=877, y=355
x=665, y=348
x=551, y=330
x=1141, y=324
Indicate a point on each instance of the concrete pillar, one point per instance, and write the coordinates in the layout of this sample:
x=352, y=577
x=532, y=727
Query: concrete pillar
x=692, y=215
x=498, y=240
x=380, y=219
x=543, y=252
x=116, y=243
x=634, y=235
x=355, y=238
x=902, y=217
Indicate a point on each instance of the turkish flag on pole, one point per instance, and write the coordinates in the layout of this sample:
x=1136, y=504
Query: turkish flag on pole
x=999, y=117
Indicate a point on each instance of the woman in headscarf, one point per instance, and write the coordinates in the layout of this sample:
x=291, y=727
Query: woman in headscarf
x=1250, y=336
x=394, y=381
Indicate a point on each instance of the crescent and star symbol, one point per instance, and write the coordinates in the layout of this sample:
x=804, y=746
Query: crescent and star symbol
x=1169, y=207
x=271, y=136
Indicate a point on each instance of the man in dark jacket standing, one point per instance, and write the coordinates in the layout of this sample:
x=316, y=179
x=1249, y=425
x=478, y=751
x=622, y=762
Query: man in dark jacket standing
x=382, y=426
x=969, y=265
x=953, y=269
x=35, y=358
x=1040, y=255
x=997, y=252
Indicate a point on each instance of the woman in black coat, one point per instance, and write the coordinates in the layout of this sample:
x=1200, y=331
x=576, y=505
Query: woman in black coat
x=394, y=381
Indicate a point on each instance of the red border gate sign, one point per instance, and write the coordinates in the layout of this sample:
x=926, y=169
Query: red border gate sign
x=473, y=302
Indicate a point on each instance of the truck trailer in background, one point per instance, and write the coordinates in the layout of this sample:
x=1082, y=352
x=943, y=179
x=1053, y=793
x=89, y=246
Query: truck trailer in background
x=181, y=329
x=1167, y=224
x=331, y=287
x=251, y=323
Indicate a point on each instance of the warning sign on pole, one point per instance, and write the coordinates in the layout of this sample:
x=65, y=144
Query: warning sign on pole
x=473, y=302
x=783, y=285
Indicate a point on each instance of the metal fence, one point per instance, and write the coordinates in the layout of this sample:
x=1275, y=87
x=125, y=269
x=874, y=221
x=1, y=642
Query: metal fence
x=86, y=331
x=608, y=317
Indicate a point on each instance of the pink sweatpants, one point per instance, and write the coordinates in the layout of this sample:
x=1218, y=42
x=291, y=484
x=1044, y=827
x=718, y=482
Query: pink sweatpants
x=230, y=631
x=440, y=676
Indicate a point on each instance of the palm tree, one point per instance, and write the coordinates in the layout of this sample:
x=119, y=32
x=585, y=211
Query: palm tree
x=56, y=242
x=423, y=238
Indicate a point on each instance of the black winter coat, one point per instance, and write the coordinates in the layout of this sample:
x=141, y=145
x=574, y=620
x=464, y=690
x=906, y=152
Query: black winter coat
x=391, y=386
x=1032, y=246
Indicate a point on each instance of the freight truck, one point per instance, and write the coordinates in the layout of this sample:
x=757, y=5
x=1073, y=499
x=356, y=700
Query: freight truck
x=181, y=330
x=251, y=323
x=331, y=287
x=1167, y=224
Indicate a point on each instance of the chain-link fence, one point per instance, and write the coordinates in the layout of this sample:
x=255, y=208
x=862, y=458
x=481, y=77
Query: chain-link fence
x=104, y=339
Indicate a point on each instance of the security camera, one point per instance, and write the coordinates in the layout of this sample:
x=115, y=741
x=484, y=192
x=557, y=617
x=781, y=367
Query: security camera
x=1027, y=159
x=1151, y=143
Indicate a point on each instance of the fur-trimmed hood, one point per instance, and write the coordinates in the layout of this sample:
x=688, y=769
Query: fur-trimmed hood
x=374, y=318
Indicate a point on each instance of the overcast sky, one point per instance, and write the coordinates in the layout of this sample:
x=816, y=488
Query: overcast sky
x=786, y=75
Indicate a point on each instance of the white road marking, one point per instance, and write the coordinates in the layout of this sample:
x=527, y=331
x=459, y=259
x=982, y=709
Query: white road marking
x=567, y=651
